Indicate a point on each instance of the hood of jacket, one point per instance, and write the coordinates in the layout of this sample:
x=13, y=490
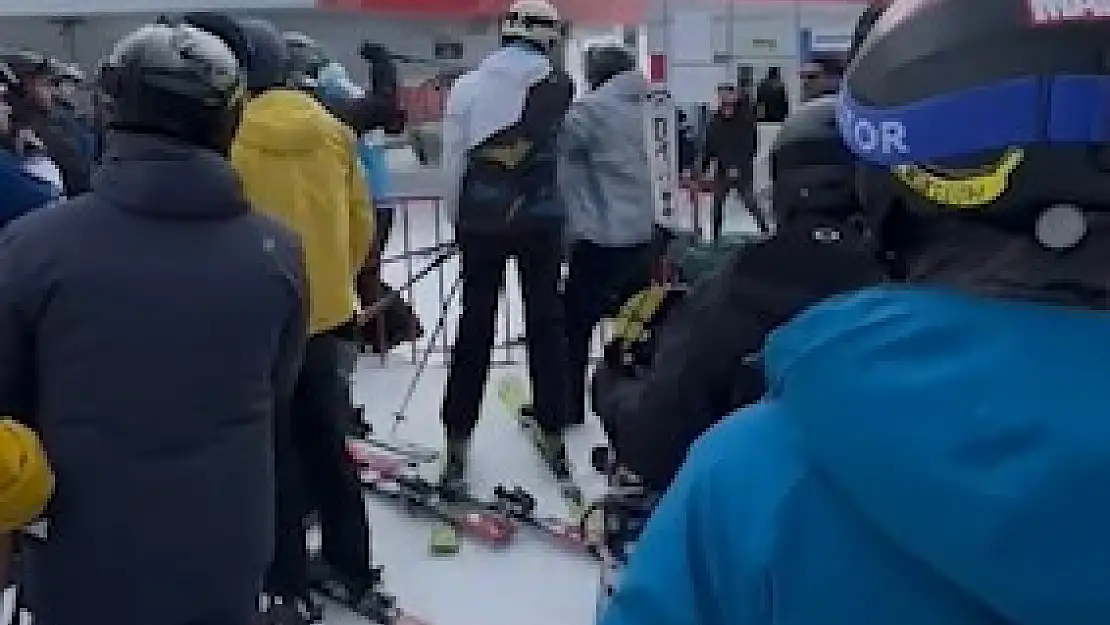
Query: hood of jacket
x=286, y=121
x=971, y=432
x=626, y=88
x=162, y=177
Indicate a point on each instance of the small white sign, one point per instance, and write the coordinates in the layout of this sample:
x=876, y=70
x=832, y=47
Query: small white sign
x=659, y=122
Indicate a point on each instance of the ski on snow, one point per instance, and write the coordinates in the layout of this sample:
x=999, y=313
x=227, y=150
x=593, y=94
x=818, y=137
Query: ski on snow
x=520, y=505
x=510, y=506
x=513, y=393
x=393, y=478
x=364, y=434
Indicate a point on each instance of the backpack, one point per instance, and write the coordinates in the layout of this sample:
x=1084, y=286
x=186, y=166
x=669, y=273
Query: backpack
x=509, y=178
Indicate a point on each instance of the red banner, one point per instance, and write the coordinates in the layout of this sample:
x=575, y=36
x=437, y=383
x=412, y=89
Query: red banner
x=579, y=11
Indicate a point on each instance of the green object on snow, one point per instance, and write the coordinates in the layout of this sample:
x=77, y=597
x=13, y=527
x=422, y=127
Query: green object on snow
x=444, y=541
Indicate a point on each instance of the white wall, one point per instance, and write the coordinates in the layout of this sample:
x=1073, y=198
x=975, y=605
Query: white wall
x=760, y=35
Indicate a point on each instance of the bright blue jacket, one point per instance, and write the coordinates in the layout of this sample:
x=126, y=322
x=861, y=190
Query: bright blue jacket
x=923, y=458
x=20, y=193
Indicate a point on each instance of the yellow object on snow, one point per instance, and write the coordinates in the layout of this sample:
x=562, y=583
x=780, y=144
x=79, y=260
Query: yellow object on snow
x=299, y=164
x=635, y=314
x=26, y=481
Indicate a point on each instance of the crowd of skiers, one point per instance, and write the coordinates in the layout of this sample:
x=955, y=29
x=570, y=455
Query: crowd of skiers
x=889, y=410
x=175, y=331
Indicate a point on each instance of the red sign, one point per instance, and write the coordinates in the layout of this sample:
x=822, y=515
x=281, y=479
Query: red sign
x=579, y=11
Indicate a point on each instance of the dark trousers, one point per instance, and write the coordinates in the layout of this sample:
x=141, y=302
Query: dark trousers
x=743, y=184
x=383, y=226
x=484, y=257
x=244, y=616
x=314, y=473
x=600, y=280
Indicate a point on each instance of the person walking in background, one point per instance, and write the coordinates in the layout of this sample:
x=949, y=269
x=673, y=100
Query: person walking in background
x=605, y=182
x=730, y=149
x=772, y=100
x=148, y=331
x=500, y=130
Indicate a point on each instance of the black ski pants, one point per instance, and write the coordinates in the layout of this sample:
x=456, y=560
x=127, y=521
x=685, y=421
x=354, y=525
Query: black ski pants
x=742, y=183
x=601, y=279
x=484, y=256
x=314, y=473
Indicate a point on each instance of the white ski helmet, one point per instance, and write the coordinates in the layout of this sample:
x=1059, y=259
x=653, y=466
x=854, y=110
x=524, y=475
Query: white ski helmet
x=533, y=20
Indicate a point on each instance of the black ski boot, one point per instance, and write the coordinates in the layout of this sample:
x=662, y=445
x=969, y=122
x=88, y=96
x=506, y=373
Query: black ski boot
x=452, y=475
x=362, y=595
x=553, y=451
x=276, y=610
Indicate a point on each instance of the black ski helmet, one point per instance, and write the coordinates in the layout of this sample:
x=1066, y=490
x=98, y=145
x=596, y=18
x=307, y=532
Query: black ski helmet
x=257, y=43
x=604, y=60
x=992, y=110
x=267, y=62
x=306, y=56
x=27, y=64
x=178, y=81
x=812, y=170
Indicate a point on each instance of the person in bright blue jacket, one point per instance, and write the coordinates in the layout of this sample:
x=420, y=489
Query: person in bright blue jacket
x=933, y=451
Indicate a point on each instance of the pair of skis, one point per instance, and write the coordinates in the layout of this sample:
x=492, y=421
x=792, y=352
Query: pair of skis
x=493, y=522
x=393, y=476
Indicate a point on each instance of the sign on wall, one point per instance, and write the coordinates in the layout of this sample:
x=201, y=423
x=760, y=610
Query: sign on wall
x=659, y=127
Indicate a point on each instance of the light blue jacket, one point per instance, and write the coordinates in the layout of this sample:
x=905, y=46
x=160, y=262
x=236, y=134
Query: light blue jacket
x=375, y=166
x=604, y=176
x=922, y=458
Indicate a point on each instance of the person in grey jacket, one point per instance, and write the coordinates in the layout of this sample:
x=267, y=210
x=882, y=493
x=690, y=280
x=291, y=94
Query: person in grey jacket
x=148, y=329
x=605, y=184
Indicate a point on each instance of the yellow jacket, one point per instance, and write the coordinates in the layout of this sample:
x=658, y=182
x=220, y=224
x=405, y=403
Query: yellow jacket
x=26, y=482
x=299, y=165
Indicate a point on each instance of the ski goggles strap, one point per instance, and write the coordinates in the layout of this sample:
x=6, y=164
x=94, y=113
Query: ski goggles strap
x=1009, y=113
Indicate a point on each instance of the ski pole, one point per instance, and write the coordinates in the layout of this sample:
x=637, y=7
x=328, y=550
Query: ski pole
x=427, y=250
x=381, y=304
x=400, y=416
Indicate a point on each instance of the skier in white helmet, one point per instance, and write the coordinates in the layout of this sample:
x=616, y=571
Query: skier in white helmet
x=499, y=132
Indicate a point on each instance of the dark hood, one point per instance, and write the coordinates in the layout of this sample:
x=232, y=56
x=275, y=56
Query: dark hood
x=166, y=178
